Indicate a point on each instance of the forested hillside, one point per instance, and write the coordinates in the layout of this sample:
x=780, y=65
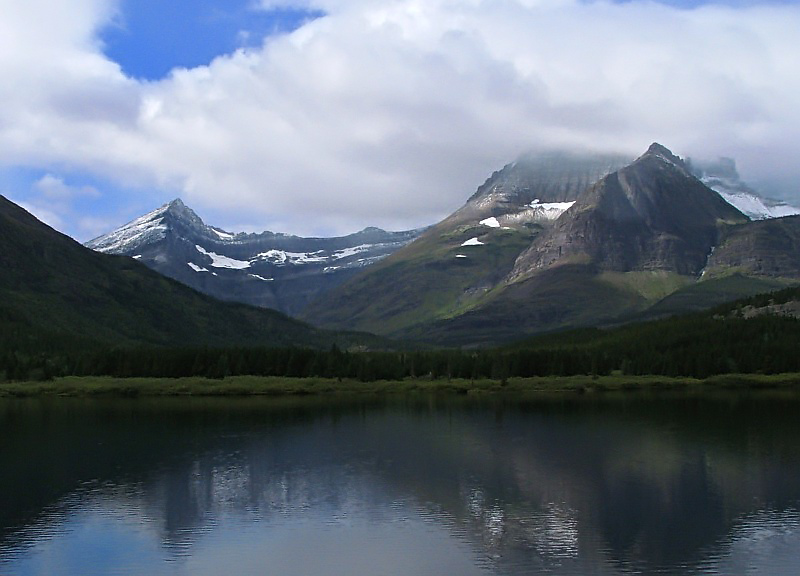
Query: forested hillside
x=756, y=335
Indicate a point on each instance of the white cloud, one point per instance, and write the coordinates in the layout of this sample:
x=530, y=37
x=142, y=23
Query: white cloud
x=392, y=112
x=56, y=189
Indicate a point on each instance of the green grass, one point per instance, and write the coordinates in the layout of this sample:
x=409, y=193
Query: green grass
x=652, y=285
x=260, y=386
x=714, y=291
x=560, y=297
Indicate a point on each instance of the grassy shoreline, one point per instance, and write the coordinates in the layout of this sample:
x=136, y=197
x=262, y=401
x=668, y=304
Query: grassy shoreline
x=276, y=386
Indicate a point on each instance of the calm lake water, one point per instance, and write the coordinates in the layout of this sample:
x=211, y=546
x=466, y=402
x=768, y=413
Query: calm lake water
x=593, y=484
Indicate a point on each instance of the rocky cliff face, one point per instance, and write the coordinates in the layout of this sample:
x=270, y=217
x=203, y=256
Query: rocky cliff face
x=271, y=270
x=651, y=215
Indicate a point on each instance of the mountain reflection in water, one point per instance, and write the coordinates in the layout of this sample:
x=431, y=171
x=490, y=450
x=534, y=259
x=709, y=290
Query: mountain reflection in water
x=667, y=483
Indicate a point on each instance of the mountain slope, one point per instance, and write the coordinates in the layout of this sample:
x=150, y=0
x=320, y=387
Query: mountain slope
x=453, y=265
x=270, y=270
x=651, y=215
x=639, y=234
x=56, y=293
x=767, y=248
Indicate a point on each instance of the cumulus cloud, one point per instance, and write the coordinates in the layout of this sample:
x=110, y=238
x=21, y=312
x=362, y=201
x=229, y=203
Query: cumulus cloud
x=62, y=206
x=56, y=189
x=391, y=112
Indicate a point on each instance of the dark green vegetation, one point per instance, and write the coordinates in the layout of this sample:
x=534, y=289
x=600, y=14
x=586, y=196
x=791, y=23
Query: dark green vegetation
x=569, y=295
x=275, y=386
x=59, y=299
x=756, y=335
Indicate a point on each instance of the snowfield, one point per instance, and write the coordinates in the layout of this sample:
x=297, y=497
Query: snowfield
x=550, y=210
x=196, y=268
x=219, y=261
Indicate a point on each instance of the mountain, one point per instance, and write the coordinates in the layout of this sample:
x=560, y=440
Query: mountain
x=769, y=248
x=623, y=237
x=455, y=264
x=57, y=294
x=652, y=215
x=723, y=177
x=269, y=270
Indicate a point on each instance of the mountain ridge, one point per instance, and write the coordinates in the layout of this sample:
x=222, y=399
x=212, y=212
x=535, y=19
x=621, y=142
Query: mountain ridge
x=651, y=215
x=637, y=234
x=56, y=294
x=268, y=269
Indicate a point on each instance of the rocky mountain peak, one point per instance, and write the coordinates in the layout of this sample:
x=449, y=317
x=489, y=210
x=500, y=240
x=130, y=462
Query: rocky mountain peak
x=180, y=211
x=663, y=155
x=650, y=215
x=552, y=176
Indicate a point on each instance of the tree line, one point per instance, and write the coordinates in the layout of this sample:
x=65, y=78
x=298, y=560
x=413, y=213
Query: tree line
x=698, y=345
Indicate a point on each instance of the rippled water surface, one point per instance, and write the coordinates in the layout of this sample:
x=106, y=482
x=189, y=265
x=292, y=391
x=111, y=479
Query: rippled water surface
x=603, y=484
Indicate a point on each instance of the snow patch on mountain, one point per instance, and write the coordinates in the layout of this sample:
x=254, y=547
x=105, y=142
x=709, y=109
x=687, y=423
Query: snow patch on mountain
x=196, y=268
x=490, y=222
x=149, y=228
x=723, y=177
x=473, y=242
x=348, y=252
x=747, y=202
x=550, y=210
x=220, y=261
x=284, y=258
x=281, y=257
x=257, y=277
x=222, y=235
x=756, y=208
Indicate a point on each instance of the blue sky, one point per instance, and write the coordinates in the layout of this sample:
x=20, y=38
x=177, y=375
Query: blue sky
x=326, y=116
x=151, y=37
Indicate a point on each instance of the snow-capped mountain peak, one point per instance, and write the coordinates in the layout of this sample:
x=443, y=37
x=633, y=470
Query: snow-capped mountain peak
x=723, y=177
x=146, y=229
x=270, y=269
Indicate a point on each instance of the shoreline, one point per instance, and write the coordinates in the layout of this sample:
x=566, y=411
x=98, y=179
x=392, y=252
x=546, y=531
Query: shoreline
x=277, y=386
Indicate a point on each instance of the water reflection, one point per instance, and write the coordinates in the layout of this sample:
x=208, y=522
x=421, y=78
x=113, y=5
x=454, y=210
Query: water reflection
x=422, y=485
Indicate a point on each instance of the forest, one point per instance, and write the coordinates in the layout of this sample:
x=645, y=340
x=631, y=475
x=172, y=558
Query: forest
x=721, y=341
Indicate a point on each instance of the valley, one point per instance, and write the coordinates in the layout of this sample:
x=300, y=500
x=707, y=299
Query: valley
x=549, y=245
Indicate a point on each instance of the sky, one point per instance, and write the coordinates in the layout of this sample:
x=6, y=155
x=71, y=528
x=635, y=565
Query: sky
x=322, y=117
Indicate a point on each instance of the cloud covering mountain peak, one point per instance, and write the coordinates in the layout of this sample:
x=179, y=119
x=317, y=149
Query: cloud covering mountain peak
x=388, y=112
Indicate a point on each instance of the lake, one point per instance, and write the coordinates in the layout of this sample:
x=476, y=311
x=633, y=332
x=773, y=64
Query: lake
x=638, y=483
